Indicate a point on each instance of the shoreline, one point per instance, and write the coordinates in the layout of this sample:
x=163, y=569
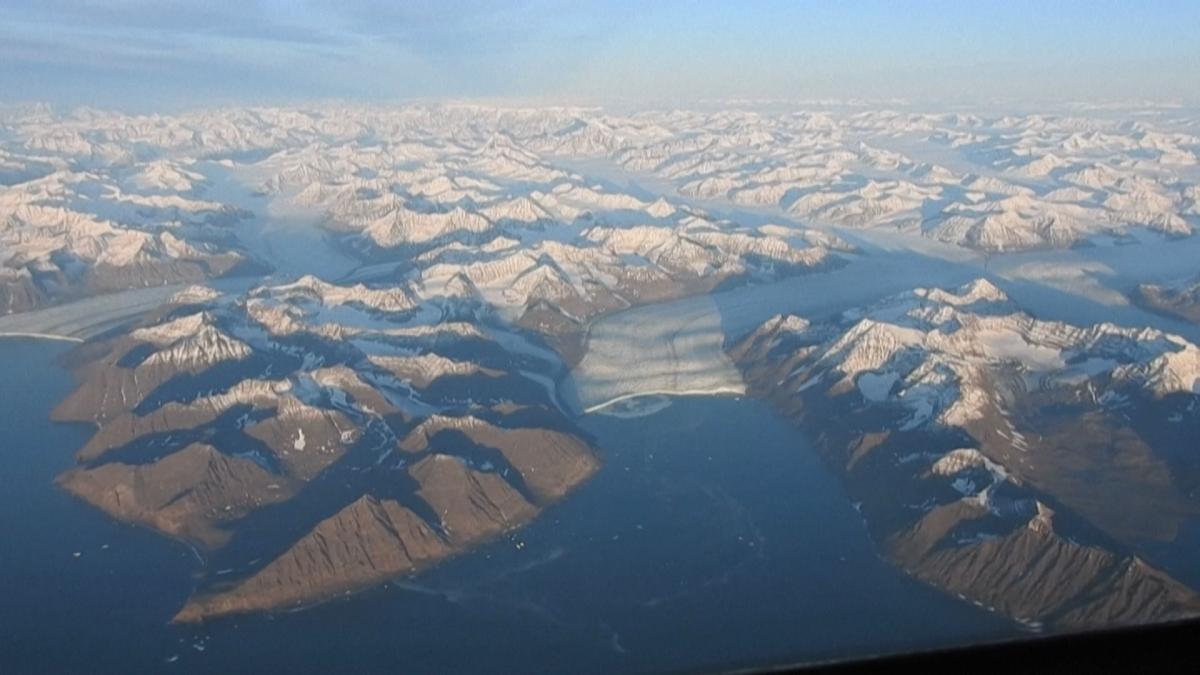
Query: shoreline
x=41, y=336
x=715, y=391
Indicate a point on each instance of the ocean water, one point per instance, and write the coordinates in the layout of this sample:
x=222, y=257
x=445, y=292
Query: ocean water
x=79, y=592
x=712, y=537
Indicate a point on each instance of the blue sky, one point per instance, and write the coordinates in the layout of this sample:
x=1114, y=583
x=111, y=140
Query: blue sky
x=140, y=54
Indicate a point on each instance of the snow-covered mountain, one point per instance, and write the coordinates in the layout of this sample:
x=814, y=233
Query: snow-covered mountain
x=94, y=201
x=73, y=232
x=995, y=454
x=216, y=407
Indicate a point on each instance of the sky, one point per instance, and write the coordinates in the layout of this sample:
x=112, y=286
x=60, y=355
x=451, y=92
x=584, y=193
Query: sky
x=159, y=54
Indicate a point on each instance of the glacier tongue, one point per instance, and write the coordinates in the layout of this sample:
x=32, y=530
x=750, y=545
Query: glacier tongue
x=650, y=351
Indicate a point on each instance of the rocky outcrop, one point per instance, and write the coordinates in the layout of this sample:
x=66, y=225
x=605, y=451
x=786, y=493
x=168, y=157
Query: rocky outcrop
x=551, y=463
x=305, y=439
x=373, y=540
x=130, y=427
x=125, y=370
x=1035, y=574
x=471, y=505
x=366, y=543
x=186, y=494
x=214, y=424
x=18, y=293
x=421, y=371
x=1180, y=299
x=956, y=422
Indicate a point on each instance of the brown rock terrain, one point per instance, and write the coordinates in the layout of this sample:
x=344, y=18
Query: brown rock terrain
x=364, y=544
x=992, y=538
x=186, y=494
x=1083, y=459
x=306, y=440
x=464, y=480
x=1033, y=573
x=18, y=293
x=365, y=397
x=551, y=463
x=421, y=371
x=1182, y=302
x=471, y=505
x=110, y=384
x=562, y=333
x=374, y=539
x=129, y=427
x=107, y=390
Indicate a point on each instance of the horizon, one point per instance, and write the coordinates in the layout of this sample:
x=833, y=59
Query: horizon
x=143, y=56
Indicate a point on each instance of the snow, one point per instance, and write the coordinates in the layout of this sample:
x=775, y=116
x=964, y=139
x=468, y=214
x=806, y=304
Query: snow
x=940, y=353
x=497, y=209
x=1011, y=345
x=172, y=331
x=191, y=343
x=1175, y=371
x=674, y=353
x=955, y=461
x=423, y=368
x=195, y=295
x=396, y=299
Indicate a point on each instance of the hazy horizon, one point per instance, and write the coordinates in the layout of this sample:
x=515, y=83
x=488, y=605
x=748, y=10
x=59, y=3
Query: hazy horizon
x=142, y=55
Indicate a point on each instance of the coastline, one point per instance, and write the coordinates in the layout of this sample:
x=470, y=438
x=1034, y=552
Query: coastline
x=41, y=336
x=715, y=391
